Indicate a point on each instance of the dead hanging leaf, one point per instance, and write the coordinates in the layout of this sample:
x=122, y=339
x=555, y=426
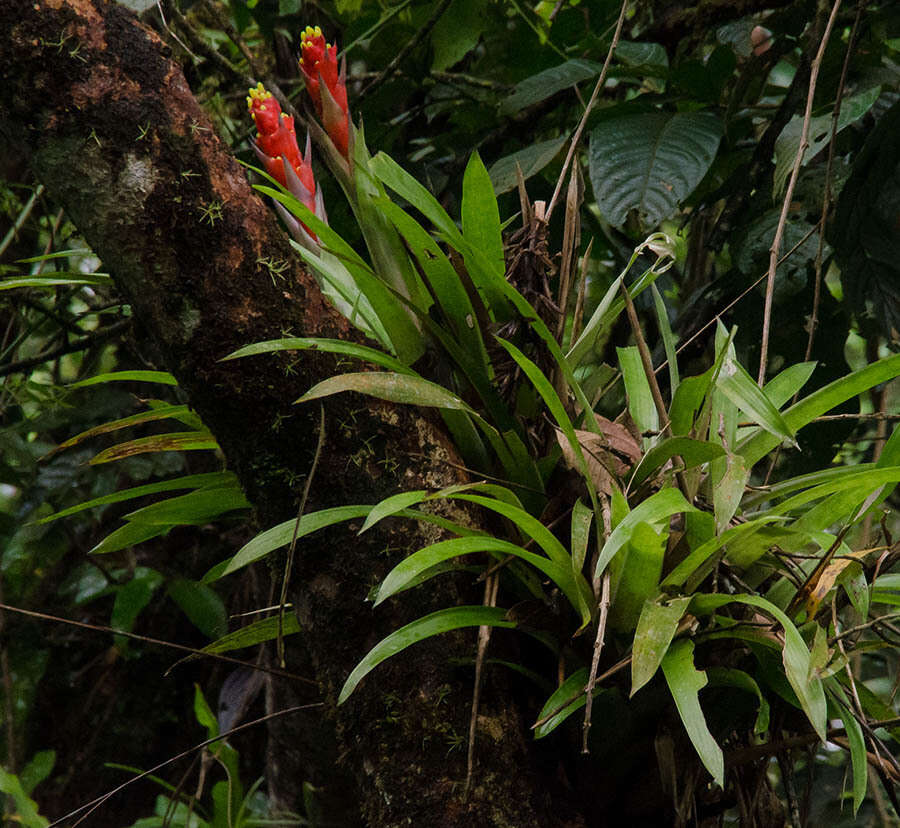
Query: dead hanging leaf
x=609, y=456
x=624, y=439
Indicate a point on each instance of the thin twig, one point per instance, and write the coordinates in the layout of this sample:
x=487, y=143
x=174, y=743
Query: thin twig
x=289, y=562
x=256, y=68
x=21, y=218
x=826, y=196
x=595, y=661
x=618, y=666
x=587, y=110
x=12, y=761
x=789, y=194
x=90, y=807
x=158, y=641
x=411, y=44
x=98, y=335
x=729, y=306
x=484, y=637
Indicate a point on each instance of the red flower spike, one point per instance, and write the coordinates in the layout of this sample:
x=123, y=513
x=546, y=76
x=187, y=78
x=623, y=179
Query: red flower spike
x=276, y=147
x=326, y=85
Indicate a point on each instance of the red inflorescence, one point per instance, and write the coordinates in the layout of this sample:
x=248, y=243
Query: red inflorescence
x=326, y=84
x=276, y=146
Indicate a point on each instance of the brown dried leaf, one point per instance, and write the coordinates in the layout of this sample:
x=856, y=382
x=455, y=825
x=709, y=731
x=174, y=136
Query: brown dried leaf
x=609, y=456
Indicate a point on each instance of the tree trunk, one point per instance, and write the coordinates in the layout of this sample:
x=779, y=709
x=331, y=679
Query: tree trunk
x=113, y=131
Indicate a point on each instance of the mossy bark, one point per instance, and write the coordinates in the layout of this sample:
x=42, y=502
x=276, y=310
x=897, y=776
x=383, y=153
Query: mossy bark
x=113, y=131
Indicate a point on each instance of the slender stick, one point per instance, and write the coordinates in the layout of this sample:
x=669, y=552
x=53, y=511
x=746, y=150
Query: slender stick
x=289, y=562
x=95, y=336
x=491, y=586
x=21, y=218
x=826, y=196
x=90, y=807
x=789, y=194
x=158, y=641
x=414, y=41
x=595, y=662
x=587, y=110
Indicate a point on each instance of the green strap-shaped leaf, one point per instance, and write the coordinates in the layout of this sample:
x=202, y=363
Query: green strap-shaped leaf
x=637, y=389
x=196, y=507
x=658, y=507
x=162, y=377
x=858, y=758
x=581, y=533
x=635, y=575
x=178, y=441
x=280, y=535
x=732, y=677
x=408, y=571
x=49, y=280
x=481, y=215
x=692, y=452
x=391, y=505
x=331, y=346
x=571, y=691
x=819, y=402
x=654, y=633
x=193, y=481
x=685, y=683
x=668, y=338
x=541, y=86
x=706, y=550
x=253, y=634
x=740, y=388
x=795, y=656
x=436, y=623
x=130, y=534
x=443, y=280
x=398, y=388
x=202, y=606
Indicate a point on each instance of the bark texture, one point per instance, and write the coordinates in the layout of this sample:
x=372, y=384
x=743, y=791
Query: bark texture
x=113, y=131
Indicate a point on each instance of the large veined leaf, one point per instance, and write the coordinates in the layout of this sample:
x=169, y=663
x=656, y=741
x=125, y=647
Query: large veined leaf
x=650, y=162
x=436, y=623
x=685, y=682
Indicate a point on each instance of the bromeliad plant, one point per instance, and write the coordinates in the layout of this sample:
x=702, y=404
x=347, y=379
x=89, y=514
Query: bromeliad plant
x=666, y=548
